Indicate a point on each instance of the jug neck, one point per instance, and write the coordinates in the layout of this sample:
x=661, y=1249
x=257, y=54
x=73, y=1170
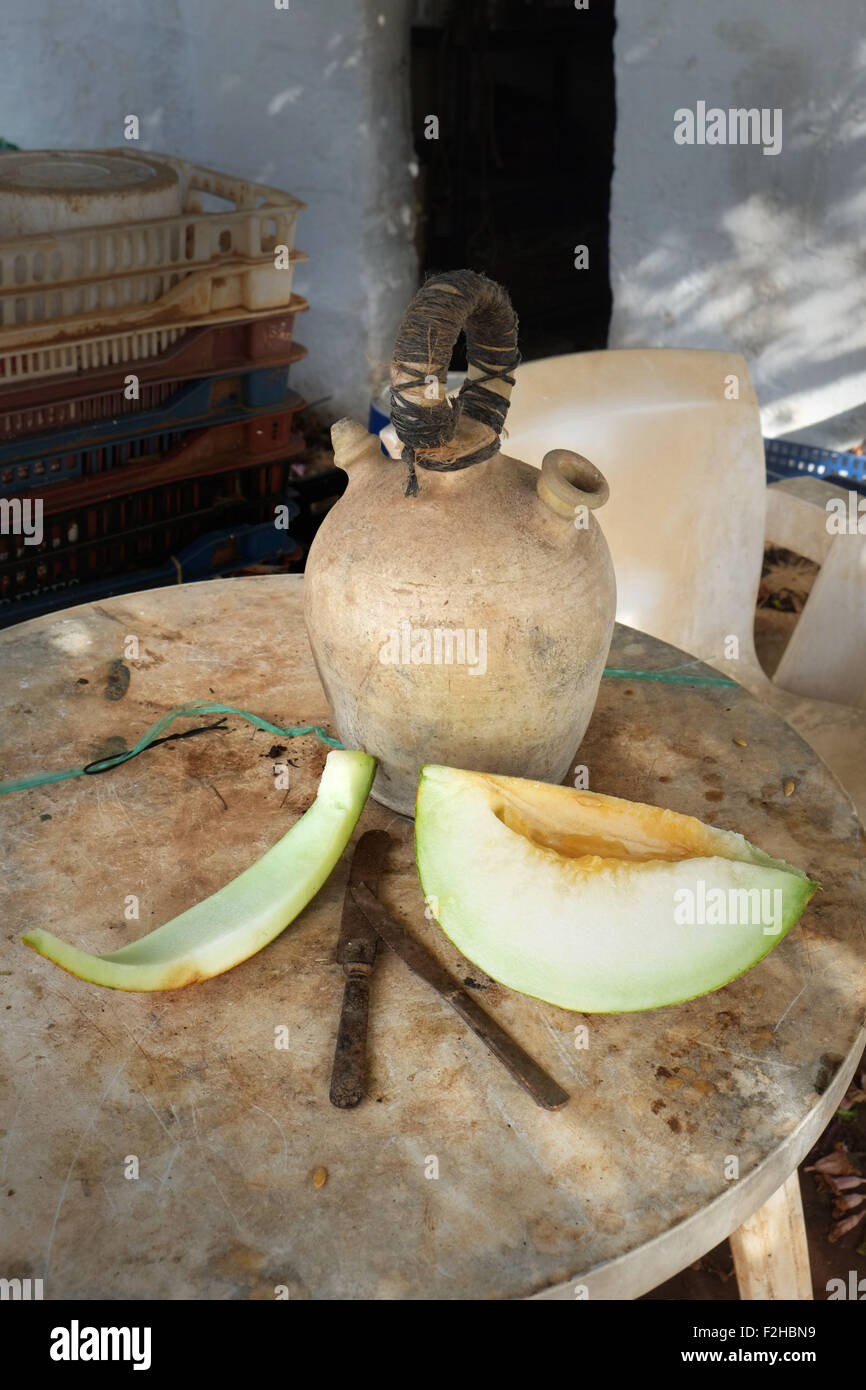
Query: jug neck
x=451, y=482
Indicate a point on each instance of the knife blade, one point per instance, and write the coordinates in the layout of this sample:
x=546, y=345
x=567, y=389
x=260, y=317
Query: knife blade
x=544, y=1090
x=356, y=952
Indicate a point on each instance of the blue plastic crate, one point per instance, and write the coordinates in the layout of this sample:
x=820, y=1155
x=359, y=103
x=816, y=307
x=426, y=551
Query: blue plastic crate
x=209, y=557
x=786, y=459
x=99, y=446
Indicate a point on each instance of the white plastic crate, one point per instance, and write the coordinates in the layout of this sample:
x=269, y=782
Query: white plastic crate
x=125, y=346
x=68, y=312
x=127, y=276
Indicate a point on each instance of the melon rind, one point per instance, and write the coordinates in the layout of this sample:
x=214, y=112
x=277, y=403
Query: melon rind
x=239, y=919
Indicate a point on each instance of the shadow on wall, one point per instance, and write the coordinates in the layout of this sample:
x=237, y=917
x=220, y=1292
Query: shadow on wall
x=776, y=274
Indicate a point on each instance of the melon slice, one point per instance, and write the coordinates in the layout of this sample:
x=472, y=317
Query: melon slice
x=241, y=918
x=592, y=902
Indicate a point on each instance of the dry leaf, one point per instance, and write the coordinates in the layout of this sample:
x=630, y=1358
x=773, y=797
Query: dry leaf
x=855, y=1094
x=849, y=1203
x=843, y=1227
x=836, y=1162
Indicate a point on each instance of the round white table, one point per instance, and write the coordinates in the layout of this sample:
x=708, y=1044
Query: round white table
x=163, y=1145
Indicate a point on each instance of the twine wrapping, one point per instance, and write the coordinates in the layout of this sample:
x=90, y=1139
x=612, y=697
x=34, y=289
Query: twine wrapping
x=437, y=433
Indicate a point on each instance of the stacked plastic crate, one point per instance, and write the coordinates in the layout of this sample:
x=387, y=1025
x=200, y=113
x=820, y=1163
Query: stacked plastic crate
x=146, y=333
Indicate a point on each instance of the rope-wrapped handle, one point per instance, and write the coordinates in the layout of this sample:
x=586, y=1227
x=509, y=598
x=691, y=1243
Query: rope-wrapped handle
x=438, y=433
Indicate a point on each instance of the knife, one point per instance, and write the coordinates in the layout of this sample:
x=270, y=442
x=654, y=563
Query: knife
x=356, y=952
x=544, y=1090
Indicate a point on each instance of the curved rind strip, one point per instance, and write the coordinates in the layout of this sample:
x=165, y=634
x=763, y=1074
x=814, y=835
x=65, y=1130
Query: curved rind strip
x=238, y=920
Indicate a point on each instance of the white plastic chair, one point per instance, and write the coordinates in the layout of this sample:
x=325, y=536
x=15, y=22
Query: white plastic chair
x=826, y=655
x=677, y=434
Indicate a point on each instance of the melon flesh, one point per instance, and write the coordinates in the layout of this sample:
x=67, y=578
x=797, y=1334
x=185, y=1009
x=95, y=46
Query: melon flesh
x=584, y=900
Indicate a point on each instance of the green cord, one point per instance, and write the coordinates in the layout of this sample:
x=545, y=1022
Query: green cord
x=669, y=679
x=669, y=676
x=192, y=711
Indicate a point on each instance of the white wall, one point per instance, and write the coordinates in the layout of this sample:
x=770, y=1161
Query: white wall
x=722, y=246
x=313, y=99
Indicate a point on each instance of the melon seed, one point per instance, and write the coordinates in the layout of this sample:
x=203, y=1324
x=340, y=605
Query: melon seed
x=789, y=788
x=741, y=743
x=320, y=1177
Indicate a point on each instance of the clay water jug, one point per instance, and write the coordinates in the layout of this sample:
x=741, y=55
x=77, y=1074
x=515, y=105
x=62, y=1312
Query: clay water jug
x=459, y=603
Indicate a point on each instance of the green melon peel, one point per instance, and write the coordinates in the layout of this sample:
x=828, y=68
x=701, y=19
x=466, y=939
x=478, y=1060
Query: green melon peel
x=238, y=920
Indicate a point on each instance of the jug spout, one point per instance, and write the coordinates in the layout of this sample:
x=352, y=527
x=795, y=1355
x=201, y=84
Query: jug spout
x=353, y=445
x=568, y=481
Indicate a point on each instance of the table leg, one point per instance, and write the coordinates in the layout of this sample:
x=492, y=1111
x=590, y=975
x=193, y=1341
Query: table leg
x=771, y=1256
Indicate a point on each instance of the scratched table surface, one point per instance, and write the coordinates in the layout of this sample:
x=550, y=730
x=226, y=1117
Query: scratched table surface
x=225, y=1129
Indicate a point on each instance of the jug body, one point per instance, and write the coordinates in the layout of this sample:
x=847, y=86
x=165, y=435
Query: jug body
x=468, y=625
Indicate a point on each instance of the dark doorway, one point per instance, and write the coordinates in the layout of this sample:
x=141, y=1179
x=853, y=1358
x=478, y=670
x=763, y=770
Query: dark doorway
x=519, y=176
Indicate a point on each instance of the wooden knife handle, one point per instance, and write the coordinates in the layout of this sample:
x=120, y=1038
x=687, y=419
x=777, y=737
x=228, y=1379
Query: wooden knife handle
x=349, y=1071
